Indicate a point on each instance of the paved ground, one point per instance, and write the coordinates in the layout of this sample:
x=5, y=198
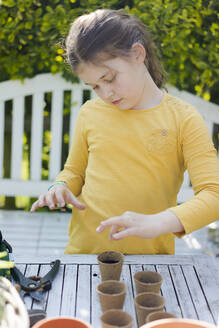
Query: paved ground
x=45, y=233
x=39, y=233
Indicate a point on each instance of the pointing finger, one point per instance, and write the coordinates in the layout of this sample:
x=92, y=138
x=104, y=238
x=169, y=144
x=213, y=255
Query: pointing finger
x=40, y=202
x=34, y=206
x=71, y=199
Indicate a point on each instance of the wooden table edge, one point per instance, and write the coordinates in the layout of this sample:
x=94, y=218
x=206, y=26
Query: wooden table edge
x=129, y=259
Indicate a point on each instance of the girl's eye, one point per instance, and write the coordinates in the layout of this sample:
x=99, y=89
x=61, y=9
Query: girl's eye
x=110, y=81
x=96, y=87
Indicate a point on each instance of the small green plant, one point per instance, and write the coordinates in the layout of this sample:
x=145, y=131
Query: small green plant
x=5, y=264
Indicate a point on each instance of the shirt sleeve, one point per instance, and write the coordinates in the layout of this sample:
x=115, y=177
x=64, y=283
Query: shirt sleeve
x=200, y=158
x=74, y=169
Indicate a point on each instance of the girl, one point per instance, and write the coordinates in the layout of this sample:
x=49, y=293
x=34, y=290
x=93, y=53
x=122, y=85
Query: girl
x=131, y=146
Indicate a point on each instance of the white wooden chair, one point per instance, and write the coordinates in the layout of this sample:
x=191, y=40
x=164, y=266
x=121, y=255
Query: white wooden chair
x=37, y=87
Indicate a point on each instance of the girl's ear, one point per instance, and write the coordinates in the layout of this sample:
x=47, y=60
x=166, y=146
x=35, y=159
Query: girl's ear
x=138, y=52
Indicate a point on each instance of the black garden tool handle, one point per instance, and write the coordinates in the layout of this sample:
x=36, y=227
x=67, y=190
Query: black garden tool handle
x=36, y=315
x=26, y=284
x=48, y=278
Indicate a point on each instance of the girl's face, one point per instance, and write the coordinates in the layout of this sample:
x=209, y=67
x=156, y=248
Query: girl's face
x=118, y=81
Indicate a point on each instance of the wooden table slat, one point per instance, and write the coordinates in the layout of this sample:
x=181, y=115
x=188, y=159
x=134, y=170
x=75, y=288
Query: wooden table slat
x=54, y=295
x=149, y=267
x=83, y=304
x=184, y=297
x=96, y=308
x=197, y=294
x=69, y=291
x=129, y=299
x=168, y=291
x=210, y=285
x=22, y=267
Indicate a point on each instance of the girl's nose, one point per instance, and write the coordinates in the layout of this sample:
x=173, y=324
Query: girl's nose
x=107, y=92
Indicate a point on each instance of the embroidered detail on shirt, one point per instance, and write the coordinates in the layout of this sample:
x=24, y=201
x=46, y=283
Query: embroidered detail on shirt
x=161, y=141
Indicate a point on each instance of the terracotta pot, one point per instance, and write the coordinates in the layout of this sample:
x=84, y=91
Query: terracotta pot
x=61, y=322
x=178, y=323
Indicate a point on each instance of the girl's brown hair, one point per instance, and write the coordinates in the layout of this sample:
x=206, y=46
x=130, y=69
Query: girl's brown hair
x=110, y=33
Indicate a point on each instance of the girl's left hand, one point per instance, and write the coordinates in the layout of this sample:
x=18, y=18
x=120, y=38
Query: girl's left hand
x=132, y=224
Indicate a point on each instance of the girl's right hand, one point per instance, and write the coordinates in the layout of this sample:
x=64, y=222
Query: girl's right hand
x=57, y=196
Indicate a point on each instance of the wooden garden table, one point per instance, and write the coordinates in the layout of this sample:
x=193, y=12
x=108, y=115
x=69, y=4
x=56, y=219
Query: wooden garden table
x=190, y=285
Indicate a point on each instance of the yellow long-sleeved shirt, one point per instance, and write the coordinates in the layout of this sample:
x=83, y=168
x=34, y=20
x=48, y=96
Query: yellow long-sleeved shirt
x=134, y=160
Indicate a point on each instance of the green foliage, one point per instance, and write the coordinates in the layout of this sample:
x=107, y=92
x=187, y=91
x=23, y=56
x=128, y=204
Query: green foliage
x=185, y=31
x=31, y=32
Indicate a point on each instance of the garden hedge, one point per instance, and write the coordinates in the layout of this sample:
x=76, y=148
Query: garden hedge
x=185, y=31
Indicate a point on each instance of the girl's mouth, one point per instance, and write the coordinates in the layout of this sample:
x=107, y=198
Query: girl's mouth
x=115, y=102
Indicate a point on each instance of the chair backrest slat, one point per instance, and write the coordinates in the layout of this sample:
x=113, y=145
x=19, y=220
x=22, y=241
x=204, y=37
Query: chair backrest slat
x=76, y=102
x=56, y=132
x=17, y=137
x=2, y=125
x=36, y=136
